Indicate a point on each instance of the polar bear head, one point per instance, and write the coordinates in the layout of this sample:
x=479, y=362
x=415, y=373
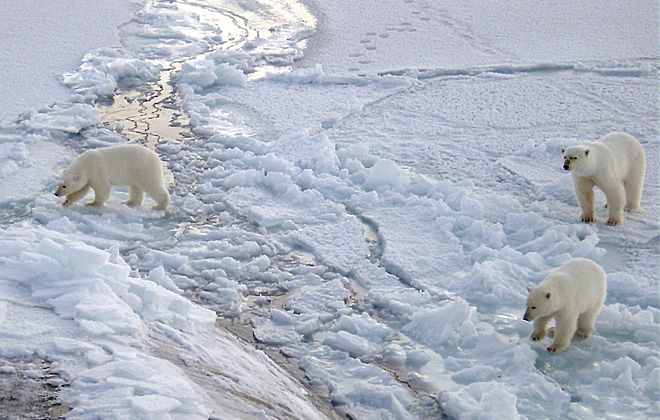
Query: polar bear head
x=73, y=179
x=541, y=301
x=579, y=160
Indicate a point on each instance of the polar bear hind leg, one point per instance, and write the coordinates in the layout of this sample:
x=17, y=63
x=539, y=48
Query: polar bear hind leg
x=135, y=196
x=587, y=323
x=633, y=186
x=160, y=196
x=587, y=320
x=616, y=197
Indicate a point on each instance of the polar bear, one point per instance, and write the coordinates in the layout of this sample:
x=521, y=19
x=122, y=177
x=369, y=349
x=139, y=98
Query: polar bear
x=573, y=295
x=616, y=164
x=128, y=164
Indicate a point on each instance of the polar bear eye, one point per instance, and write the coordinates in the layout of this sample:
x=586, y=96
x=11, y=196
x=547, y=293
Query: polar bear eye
x=63, y=186
x=533, y=307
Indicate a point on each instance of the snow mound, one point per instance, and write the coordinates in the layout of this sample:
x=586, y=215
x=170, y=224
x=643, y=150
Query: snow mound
x=94, y=289
x=205, y=74
x=170, y=31
x=104, y=70
x=26, y=170
x=69, y=119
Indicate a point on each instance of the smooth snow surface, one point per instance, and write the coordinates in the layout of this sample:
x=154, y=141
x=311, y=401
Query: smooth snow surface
x=361, y=193
x=42, y=39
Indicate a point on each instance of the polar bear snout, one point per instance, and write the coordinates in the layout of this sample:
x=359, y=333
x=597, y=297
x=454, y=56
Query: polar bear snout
x=66, y=188
x=566, y=165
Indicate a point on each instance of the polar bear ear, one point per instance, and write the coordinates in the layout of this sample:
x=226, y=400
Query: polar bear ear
x=529, y=288
x=547, y=295
x=586, y=152
x=76, y=178
x=562, y=150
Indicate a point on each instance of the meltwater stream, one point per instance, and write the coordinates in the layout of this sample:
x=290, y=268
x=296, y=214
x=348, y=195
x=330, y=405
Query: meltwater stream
x=153, y=115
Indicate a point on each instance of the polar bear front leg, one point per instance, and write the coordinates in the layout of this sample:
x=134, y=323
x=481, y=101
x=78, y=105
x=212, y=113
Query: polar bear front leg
x=101, y=195
x=564, y=331
x=584, y=189
x=75, y=196
x=616, y=198
x=540, y=326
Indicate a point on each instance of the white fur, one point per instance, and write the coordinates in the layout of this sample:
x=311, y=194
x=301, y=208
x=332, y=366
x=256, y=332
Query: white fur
x=126, y=165
x=616, y=164
x=573, y=295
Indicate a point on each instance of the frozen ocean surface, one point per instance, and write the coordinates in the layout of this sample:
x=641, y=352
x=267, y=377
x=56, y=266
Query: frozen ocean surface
x=361, y=193
x=42, y=39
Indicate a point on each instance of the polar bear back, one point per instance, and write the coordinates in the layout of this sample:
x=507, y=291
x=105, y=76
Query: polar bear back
x=626, y=152
x=127, y=164
x=582, y=281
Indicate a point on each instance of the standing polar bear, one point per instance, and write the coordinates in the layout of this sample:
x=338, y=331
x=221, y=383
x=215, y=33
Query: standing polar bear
x=616, y=164
x=128, y=164
x=573, y=295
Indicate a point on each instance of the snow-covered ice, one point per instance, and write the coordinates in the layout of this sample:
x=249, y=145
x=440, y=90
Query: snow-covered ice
x=361, y=193
x=42, y=39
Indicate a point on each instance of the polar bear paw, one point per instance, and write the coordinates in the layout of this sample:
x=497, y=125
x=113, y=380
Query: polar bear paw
x=614, y=221
x=588, y=218
x=537, y=335
x=556, y=348
x=131, y=204
x=584, y=333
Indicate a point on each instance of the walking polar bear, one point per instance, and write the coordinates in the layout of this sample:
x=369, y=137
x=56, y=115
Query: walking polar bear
x=616, y=164
x=573, y=295
x=126, y=165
